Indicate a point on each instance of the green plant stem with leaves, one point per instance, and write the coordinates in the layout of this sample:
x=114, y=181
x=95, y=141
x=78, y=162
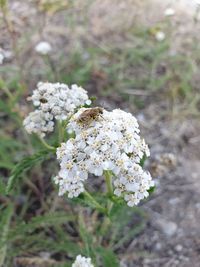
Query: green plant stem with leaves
x=109, y=186
x=61, y=132
x=107, y=221
x=94, y=202
x=46, y=145
x=105, y=208
x=51, y=66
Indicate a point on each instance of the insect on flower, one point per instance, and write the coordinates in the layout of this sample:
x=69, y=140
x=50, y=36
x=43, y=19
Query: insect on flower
x=89, y=115
x=43, y=100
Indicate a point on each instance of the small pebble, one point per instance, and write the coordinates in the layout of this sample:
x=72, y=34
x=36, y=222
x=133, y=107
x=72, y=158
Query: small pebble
x=178, y=247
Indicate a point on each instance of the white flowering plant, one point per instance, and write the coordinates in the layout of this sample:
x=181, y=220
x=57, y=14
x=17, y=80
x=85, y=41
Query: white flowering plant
x=82, y=262
x=100, y=155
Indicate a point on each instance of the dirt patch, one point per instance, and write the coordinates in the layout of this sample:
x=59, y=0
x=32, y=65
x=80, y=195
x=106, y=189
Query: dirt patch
x=172, y=235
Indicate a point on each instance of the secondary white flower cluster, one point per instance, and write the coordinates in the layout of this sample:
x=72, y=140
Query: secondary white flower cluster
x=82, y=262
x=111, y=142
x=169, y=12
x=160, y=36
x=43, y=48
x=39, y=122
x=54, y=101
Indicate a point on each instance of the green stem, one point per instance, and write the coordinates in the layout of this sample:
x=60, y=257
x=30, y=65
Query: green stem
x=8, y=93
x=51, y=66
x=17, y=118
x=94, y=202
x=83, y=232
x=60, y=132
x=52, y=148
x=108, y=178
x=4, y=233
x=106, y=220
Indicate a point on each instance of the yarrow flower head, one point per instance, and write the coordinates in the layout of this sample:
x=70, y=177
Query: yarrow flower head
x=108, y=142
x=169, y=12
x=39, y=122
x=82, y=262
x=160, y=36
x=54, y=101
x=43, y=48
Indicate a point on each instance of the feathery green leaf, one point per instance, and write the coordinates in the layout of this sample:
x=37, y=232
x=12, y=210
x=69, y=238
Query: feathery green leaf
x=24, y=165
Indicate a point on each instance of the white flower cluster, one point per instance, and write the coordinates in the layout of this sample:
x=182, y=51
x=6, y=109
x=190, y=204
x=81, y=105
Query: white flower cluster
x=54, y=101
x=82, y=262
x=39, y=122
x=111, y=142
x=169, y=12
x=43, y=48
x=160, y=36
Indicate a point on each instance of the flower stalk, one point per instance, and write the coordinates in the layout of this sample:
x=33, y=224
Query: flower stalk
x=108, y=178
x=45, y=144
x=94, y=202
x=61, y=130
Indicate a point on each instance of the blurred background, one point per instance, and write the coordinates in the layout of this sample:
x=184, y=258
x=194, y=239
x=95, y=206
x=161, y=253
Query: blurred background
x=141, y=56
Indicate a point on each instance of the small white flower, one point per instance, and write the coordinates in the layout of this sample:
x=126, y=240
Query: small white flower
x=43, y=48
x=82, y=262
x=88, y=102
x=39, y=123
x=131, y=199
x=1, y=58
x=169, y=12
x=160, y=36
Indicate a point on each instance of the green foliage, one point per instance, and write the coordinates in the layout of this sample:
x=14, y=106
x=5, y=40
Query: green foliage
x=91, y=200
x=33, y=236
x=152, y=189
x=26, y=233
x=8, y=148
x=24, y=165
x=142, y=161
x=79, y=69
x=86, y=237
x=54, y=6
x=108, y=258
x=6, y=108
x=2, y=187
x=5, y=219
x=41, y=221
x=122, y=231
x=3, y=3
